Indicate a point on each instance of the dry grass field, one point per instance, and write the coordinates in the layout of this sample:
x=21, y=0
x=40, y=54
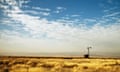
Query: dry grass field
x=58, y=64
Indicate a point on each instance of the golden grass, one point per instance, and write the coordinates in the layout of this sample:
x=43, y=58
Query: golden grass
x=39, y=64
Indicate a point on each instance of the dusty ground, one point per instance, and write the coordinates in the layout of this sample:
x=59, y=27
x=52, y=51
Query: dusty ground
x=58, y=64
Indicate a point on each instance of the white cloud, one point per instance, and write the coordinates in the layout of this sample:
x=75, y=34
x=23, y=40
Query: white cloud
x=42, y=9
x=9, y=35
x=75, y=15
x=45, y=13
x=13, y=3
x=90, y=20
x=113, y=14
x=110, y=10
x=58, y=36
x=59, y=9
x=37, y=13
x=23, y=2
x=101, y=38
x=31, y=12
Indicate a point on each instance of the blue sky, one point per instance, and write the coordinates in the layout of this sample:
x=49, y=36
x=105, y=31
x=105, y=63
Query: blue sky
x=60, y=26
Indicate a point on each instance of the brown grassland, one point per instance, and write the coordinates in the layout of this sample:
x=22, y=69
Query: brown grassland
x=58, y=64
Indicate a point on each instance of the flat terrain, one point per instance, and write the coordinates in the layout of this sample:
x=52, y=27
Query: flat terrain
x=58, y=64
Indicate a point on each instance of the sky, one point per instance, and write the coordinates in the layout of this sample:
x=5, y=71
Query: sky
x=37, y=27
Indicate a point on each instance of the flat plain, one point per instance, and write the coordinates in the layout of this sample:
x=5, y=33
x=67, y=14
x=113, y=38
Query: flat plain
x=58, y=64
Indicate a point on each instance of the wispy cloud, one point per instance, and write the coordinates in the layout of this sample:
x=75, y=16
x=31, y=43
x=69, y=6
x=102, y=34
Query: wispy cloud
x=112, y=14
x=59, y=9
x=111, y=9
x=37, y=13
x=58, y=35
x=75, y=15
x=42, y=9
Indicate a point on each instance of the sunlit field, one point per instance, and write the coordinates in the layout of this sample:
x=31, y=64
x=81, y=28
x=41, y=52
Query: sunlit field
x=58, y=64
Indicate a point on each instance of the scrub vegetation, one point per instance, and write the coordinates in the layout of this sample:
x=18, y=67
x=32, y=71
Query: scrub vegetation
x=58, y=64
